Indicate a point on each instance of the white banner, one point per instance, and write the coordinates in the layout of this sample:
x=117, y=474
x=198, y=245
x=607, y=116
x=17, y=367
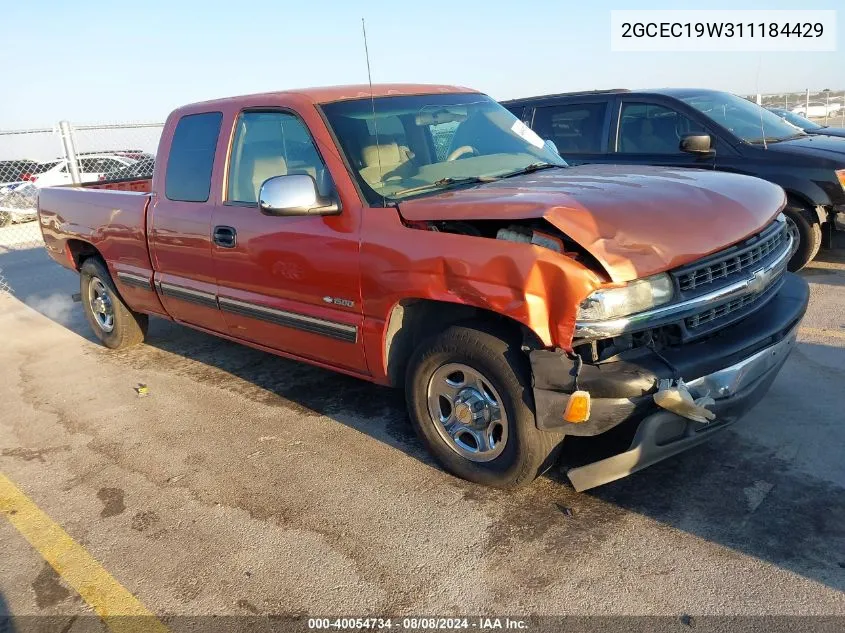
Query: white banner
x=723, y=30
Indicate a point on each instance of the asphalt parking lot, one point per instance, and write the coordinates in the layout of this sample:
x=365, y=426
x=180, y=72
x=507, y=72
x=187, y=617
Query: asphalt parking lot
x=245, y=484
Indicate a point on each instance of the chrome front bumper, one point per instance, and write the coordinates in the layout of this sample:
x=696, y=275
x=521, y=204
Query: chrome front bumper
x=662, y=434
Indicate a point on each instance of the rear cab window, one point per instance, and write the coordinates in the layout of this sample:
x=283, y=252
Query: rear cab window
x=191, y=159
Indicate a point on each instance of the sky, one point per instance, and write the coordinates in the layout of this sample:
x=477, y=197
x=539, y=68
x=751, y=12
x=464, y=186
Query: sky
x=93, y=61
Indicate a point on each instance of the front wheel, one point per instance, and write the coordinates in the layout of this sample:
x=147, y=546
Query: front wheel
x=469, y=398
x=111, y=319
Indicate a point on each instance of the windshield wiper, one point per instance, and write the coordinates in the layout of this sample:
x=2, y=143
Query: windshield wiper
x=445, y=183
x=777, y=139
x=528, y=169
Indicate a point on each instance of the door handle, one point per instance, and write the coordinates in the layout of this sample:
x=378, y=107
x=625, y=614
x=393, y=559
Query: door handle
x=225, y=236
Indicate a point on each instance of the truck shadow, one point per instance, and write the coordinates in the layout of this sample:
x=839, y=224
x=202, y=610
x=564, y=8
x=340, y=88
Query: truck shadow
x=293, y=384
x=772, y=487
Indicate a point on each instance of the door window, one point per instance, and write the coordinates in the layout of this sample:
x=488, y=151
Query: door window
x=575, y=128
x=269, y=144
x=648, y=128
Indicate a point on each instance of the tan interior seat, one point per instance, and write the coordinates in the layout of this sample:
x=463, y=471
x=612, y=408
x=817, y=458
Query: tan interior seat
x=266, y=167
x=258, y=162
x=384, y=161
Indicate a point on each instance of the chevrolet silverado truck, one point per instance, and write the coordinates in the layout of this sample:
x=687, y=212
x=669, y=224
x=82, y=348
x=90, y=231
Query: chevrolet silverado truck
x=422, y=237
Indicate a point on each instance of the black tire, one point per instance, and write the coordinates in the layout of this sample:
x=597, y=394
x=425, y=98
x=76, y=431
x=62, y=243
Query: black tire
x=808, y=231
x=128, y=328
x=527, y=451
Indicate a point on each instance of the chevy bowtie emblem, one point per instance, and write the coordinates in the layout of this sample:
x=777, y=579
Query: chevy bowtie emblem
x=759, y=281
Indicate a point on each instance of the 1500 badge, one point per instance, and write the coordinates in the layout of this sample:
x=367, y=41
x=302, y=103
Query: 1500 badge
x=346, y=303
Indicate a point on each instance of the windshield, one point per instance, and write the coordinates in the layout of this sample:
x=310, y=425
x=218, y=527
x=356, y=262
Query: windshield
x=423, y=144
x=747, y=120
x=797, y=120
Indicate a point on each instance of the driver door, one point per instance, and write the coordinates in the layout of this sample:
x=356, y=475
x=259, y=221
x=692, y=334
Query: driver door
x=289, y=283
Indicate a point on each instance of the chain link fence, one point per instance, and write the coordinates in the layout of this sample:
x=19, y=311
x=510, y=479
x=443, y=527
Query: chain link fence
x=63, y=155
x=822, y=107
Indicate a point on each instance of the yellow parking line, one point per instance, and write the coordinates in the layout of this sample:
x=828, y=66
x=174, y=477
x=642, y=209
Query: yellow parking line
x=109, y=599
x=817, y=331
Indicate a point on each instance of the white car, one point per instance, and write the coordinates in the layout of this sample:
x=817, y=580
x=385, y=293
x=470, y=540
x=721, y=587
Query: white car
x=817, y=109
x=91, y=167
x=17, y=203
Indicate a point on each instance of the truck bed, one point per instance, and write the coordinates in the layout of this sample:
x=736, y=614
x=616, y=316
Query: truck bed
x=111, y=216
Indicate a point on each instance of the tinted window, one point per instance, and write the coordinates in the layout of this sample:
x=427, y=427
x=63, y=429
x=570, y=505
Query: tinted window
x=269, y=144
x=516, y=110
x=576, y=128
x=647, y=128
x=191, y=158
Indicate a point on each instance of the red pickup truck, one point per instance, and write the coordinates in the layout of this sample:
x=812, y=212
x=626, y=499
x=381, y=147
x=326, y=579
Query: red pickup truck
x=422, y=237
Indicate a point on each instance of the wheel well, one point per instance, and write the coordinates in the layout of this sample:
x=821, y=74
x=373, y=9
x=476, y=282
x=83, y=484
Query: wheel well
x=814, y=210
x=80, y=251
x=413, y=320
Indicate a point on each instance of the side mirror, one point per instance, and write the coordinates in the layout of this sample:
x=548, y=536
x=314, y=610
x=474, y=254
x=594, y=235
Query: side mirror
x=549, y=144
x=294, y=195
x=696, y=143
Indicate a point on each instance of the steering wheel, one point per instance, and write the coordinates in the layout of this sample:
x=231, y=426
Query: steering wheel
x=463, y=149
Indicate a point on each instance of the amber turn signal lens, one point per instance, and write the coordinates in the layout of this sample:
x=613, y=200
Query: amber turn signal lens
x=578, y=408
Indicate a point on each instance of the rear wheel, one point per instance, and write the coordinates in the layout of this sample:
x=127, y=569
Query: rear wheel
x=806, y=231
x=469, y=399
x=111, y=319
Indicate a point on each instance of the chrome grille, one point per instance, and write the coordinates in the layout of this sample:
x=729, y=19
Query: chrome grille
x=702, y=318
x=734, y=261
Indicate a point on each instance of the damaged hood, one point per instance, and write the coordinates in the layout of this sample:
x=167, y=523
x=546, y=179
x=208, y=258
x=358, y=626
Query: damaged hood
x=635, y=220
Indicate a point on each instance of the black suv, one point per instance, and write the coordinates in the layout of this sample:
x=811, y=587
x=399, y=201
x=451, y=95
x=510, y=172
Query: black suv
x=705, y=129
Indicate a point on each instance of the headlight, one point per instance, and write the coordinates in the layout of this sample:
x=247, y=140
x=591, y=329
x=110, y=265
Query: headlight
x=840, y=176
x=636, y=296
